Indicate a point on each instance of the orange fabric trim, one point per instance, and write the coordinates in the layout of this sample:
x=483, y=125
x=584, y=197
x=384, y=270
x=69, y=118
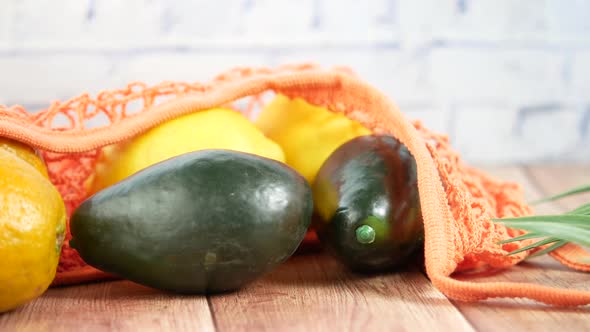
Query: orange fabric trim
x=457, y=200
x=573, y=256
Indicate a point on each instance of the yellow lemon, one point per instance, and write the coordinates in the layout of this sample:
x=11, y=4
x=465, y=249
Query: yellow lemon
x=25, y=153
x=216, y=128
x=308, y=134
x=32, y=225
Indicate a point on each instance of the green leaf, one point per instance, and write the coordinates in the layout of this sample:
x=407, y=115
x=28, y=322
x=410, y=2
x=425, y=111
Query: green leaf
x=575, y=191
x=522, y=237
x=584, y=209
x=573, y=226
x=549, y=249
x=569, y=227
x=534, y=245
x=577, y=219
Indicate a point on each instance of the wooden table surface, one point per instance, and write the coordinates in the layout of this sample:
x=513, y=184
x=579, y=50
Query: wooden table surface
x=311, y=292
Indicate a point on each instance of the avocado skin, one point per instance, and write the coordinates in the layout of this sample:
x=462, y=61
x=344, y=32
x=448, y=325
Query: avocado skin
x=369, y=180
x=203, y=222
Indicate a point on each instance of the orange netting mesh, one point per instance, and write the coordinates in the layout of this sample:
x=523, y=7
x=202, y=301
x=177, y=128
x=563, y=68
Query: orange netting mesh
x=457, y=200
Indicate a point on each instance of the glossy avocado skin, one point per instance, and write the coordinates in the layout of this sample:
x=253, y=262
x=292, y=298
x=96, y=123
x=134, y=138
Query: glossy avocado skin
x=370, y=180
x=203, y=222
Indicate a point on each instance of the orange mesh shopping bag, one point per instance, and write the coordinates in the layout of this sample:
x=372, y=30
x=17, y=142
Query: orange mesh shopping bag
x=457, y=200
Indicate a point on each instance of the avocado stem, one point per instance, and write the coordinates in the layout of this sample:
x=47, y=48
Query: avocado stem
x=365, y=234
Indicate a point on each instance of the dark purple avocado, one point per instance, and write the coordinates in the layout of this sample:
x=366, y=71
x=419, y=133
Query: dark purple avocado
x=366, y=195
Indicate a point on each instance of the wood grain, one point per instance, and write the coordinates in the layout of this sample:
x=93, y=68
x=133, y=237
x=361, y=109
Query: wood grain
x=521, y=314
x=314, y=293
x=551, y=180
x=110, y=306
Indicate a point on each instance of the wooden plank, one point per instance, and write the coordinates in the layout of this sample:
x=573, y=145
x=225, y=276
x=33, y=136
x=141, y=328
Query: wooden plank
x=521, y=314
x=314, y=293
x=555, y=179
x=110, y=306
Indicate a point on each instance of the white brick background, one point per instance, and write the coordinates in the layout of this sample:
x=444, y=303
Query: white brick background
x=509, y=81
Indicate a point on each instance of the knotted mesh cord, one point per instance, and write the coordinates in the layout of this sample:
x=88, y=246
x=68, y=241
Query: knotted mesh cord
x=470, y=197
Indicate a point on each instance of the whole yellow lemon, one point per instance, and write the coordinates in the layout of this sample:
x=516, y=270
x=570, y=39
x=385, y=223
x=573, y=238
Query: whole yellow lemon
x=308, y=134
x=32, y=225
x=216, y=128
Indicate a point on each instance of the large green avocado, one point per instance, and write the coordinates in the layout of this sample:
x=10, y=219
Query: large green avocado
x=203, y=222
x=366, y=196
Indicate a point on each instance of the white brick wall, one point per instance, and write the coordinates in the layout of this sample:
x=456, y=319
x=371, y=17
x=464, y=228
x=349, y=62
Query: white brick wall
x=507, y=80
x=579, y=73
x=548, y=132
x=483, y=75
x=202, y=66
x=39, y=78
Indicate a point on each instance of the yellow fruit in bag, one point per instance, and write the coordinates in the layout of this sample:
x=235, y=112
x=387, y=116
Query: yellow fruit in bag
x=32, y=225
x=308, y=134
x=208, y=129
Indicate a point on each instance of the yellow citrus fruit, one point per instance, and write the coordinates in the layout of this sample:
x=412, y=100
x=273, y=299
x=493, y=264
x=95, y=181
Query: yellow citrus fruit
x=216, y=128
x=308, y=134
x=32, y=225
x=25, y=153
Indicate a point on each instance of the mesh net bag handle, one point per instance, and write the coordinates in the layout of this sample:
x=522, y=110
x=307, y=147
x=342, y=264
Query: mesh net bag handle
x=457, y=200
